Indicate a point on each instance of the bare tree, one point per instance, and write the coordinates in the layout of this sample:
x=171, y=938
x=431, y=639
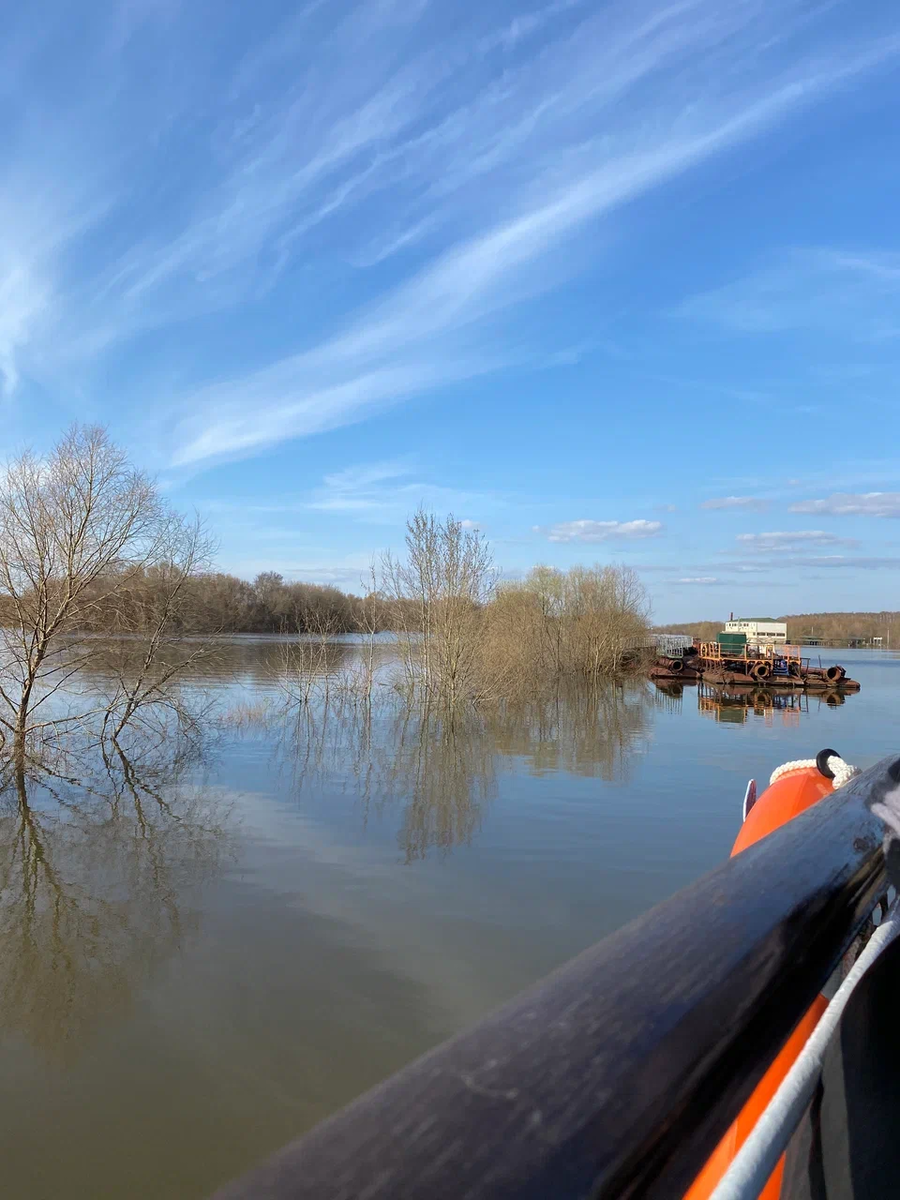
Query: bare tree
x=78, y=529
x=556, y=624
x=368, y=625
x=440, y=591
x=154, y=653
x=607, y=613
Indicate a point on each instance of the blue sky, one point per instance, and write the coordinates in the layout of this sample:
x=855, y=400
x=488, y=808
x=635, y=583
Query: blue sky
x=615, y=281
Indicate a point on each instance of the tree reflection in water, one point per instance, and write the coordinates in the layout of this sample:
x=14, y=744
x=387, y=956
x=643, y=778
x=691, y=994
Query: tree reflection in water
x=591, y=731
x=443, y=766
x=99, y=873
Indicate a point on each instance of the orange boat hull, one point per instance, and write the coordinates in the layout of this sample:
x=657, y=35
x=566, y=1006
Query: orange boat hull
x=780, y=802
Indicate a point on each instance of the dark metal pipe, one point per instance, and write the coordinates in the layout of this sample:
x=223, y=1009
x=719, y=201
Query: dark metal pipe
x=831, y=674
x=616, y=1076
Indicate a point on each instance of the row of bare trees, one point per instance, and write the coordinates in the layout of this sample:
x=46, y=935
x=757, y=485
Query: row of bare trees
x=89, y=546
x=587, y=622
x=271, y=604
x=215, y=602
x=467, y=636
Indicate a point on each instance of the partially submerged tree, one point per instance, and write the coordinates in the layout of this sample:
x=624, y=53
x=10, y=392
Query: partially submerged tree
x=439, y=591
x=464, y=638
x=81, y=530
x=154, y=612
x=585, y=622
x=608, y=613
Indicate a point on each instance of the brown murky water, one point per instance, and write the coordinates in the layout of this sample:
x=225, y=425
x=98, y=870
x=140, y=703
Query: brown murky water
x=202, y=956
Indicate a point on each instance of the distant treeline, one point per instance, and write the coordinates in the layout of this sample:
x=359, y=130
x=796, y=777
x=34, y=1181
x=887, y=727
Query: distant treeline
x=838, y=627
x=215, y=602
x=270, y=604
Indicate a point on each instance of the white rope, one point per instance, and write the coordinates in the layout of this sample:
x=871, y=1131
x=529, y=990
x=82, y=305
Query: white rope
x=842, y=771
x=757, y=1158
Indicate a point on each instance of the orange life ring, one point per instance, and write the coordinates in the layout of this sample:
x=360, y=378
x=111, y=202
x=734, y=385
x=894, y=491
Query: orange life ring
x=781, y=801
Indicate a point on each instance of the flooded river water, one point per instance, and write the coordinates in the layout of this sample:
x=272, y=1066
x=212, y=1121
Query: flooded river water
x=200, y=958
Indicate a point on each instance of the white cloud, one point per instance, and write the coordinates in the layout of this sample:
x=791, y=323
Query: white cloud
x=790, y=539
x=23, y=296
x=359, y=488
x=247, y=417
x=600, y=531
x=389, y=491
x=744, y=503
x=835, y=561
x=855, y=563
x=849, y=504
x=350, y=572
x=352, y=579
x=847, y=293
x=698, y=579
x=525, y=24
x=379, y=493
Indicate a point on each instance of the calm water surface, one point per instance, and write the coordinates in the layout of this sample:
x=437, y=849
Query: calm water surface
x=201, y=959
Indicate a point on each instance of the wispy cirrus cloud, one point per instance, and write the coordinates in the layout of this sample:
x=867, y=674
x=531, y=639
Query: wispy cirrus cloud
x=526, y=25
x=853, y=563
x=390, y=491
x=836, y=562
x=190, y=194
x=740, y=503
x=600, y=531
x=853, y=294
x=378, y=492
x=350, y=572
x=850, y=504
x=791, y=539
x=440, y=313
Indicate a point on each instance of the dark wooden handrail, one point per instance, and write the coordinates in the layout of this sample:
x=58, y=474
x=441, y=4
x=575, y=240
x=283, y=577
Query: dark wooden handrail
x=617, y=1075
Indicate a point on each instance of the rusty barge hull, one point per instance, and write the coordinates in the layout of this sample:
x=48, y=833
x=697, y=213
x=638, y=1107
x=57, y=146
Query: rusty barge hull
x=752, y=672
x=808, y=683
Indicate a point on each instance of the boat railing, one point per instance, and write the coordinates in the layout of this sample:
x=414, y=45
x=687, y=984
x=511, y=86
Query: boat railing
x=716, y=652
x=618, y=1075
x=775, y=651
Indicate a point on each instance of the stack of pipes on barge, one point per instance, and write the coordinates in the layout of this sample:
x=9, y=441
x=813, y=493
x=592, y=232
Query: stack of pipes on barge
x=746, y=652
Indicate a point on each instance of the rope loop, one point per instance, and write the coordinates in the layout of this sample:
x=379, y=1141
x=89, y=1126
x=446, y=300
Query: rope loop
x=841, y=772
